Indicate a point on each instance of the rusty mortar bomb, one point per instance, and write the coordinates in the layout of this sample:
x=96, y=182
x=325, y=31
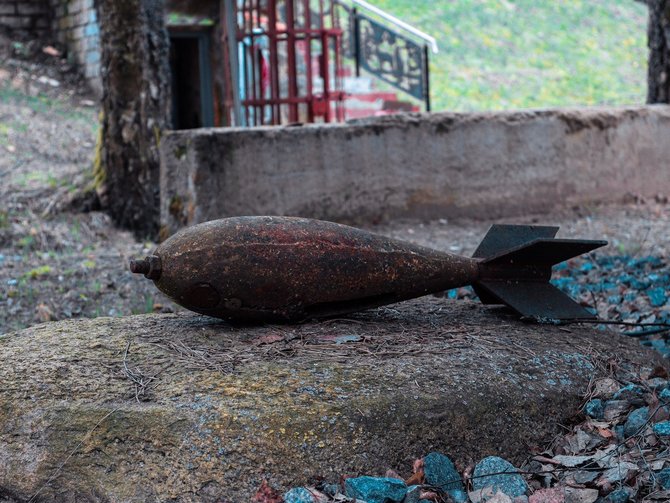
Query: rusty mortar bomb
x=288, y=269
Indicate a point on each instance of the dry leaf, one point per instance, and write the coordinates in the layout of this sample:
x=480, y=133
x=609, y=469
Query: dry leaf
x=615, y=409
x=572, y=461
x=605, y=388
x=499, y=497
x=416, y=479
x=605, y=433
x=317, y=496
x=417, y=465
x=269, y=339
x=267, y=494
x=620, y=472
x=657, y=464
x=576, y=495
x=550, y=495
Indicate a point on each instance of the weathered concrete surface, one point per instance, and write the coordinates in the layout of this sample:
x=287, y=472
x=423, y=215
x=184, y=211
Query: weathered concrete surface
x=427, y=165
x=186, y=408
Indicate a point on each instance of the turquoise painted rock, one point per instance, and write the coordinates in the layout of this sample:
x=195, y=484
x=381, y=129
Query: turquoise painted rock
x=663, y=478
x=413, y=495
x=636, y=420
x=375, y=489
x=499, y=474
x=618, y=496
x=441, y=473
x=595, y=408
x=298, y=495
x=629, y=392
x=662, y=429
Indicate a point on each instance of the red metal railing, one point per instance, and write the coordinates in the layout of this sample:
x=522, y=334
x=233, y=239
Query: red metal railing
x=289, y=61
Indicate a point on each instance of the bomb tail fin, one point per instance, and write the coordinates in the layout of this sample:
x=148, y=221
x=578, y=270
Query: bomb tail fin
x=516, y=262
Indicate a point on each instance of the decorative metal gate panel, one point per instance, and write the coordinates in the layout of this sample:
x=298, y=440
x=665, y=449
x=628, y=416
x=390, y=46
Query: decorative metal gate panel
x=288, y=62
x=387, y=48
x=390, y=56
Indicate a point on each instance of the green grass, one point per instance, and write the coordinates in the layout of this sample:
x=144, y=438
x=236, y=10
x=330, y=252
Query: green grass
x=44, y=104
x=507, y=54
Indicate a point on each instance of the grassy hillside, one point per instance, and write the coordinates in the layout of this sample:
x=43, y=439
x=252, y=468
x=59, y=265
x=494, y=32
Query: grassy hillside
x=502, y=54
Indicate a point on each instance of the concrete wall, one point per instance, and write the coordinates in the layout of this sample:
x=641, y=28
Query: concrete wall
x=420, y=165
x=26, y=16
x=76, y=27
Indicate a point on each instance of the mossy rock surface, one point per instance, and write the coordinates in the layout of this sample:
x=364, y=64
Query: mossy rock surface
x=187, y=408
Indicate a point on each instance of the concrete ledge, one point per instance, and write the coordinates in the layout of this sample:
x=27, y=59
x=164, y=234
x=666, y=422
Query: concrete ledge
x=419, y=165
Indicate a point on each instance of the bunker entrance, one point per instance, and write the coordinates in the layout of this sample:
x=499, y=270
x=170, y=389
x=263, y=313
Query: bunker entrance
x=192, y=99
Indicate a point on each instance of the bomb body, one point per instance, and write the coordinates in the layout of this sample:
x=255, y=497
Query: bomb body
x=290, y=269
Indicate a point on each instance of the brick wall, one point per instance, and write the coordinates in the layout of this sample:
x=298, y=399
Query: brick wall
x=28, y=17
x=75, y=24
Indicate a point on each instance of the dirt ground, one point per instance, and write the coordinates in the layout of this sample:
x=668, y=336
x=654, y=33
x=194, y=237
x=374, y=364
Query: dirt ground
x=57, y=262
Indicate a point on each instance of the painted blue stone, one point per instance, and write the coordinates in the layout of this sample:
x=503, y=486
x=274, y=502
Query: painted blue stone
x=458, y=496
x=510, y=482
x=413, y=495
x=618, y=496
x=595, y=409
x=639, y=285
x=298, y=495
x=657, y=296
x=586, y=267
x=331, y=489
x=635, y=421
x=662, y=429
x=441, y=473
x=663, y=478
x=629, y=391
x=375, y=489
x=661, y=346
x=614, y=299
x=665, y=395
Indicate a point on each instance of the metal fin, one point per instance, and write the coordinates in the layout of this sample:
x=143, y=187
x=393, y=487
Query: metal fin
x=535, y=299
x=545, y=252
x=503, y=237
x=516, y=268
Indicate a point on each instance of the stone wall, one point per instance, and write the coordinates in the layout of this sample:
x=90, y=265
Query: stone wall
x=417, y=165
x=25, y=16
x=76, y=27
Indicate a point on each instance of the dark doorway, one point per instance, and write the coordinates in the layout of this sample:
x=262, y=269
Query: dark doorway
x=192, y=101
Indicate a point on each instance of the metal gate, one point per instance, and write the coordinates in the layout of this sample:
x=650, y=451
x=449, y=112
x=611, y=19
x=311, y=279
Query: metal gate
x=285, y=62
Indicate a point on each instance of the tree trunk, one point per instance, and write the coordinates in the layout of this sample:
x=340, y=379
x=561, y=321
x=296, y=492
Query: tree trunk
x=136, y=97
x=659, y=51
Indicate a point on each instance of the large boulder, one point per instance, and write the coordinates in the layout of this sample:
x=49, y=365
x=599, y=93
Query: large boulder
x=187, y=408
